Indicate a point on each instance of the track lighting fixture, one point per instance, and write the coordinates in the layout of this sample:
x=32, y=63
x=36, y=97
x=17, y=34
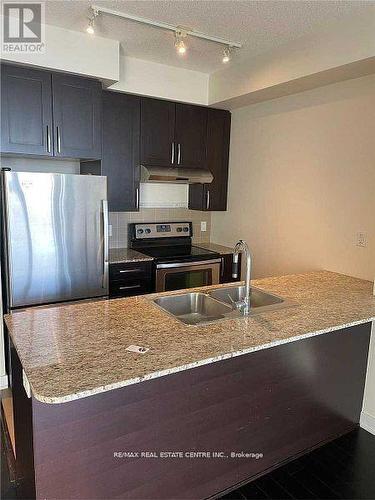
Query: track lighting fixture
x=180, y=32
x=179, y=42
x=227, y=54
x=90, y=27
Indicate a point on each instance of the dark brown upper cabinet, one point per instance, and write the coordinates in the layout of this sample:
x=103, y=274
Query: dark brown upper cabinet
x=48, y=114
x=173, y=134
x=26, y=111
x=191, y=131
x=157, y=132
x=77, y=113
x=120, y=155
x=213, y=197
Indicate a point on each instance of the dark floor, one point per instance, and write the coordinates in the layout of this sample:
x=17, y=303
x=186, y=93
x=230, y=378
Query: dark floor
x=344, y=468
x=8, y=486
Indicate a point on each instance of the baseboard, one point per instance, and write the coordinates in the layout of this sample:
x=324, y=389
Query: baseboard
x=3, y=381
x=367, y=422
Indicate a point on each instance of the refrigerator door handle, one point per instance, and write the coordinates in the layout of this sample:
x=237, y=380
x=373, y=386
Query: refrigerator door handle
x=4, y=220
x=105, y=244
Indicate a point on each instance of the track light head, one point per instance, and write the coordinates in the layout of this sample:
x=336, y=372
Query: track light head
x=90, y=27
x=227, y=54
x=91, y=24
x=181, y=47
x=179, y=42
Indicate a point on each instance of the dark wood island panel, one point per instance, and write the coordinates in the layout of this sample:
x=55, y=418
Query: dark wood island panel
x=279, y=402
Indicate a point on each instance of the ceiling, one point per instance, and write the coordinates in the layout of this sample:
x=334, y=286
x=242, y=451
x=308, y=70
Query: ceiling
x=260, y=25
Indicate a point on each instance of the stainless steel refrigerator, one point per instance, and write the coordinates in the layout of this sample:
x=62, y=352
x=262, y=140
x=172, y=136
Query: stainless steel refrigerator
x=55, y=237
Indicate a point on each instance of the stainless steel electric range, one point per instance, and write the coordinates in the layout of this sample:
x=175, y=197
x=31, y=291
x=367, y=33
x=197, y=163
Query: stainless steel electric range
x=178, y=263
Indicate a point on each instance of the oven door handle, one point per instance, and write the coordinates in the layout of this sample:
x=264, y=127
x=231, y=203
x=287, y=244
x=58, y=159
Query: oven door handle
x=187, y=264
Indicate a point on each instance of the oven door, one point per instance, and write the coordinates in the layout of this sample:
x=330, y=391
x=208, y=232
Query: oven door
x=180, y=275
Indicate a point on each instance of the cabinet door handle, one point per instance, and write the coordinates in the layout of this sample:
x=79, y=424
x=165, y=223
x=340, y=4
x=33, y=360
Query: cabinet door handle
x=48, y=139
x=137, y=198
x=208, y=200
x=137, y=270
x=172, y=152
x=130, y=287
x=179, y=156
x=58, y=140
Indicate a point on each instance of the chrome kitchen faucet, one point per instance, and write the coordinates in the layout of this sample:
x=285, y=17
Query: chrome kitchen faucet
x=242, y=247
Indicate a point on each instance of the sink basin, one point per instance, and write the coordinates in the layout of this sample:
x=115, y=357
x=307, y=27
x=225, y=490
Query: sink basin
x=258, y=298
x=193, y=308
x=196, y=308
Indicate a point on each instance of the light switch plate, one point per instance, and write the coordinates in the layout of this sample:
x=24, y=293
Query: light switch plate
x=203, y=226
x=109, y=230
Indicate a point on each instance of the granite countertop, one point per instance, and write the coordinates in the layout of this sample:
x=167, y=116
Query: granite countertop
x=215, y=248
x=73, y=351
x=124, y=255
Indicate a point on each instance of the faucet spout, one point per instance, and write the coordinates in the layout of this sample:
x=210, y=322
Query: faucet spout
x=242, y=247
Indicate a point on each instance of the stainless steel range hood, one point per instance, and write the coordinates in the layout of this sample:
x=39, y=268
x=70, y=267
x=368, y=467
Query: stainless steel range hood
x=176, y=175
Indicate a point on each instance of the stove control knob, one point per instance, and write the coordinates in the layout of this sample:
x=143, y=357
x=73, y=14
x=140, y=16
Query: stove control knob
x=186, y=229
x=139, y=231
x=179, y=229
x=148, y=231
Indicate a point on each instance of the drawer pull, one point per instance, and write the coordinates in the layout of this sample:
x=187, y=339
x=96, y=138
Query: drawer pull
x=129, y=287
x=130, y=271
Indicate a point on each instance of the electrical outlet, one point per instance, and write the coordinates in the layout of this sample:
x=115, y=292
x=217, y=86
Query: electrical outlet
x=109, y=230
x=361, y=239
x=203, y=226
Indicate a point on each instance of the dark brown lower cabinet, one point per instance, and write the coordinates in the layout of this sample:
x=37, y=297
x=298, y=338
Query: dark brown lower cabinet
x=132, y=278
x=276, y=403
x=227, y=268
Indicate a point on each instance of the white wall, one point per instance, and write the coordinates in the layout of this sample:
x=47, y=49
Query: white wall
x=302, y=183
x=290, y=68
x=167, y=82
x=302, y=179
x=73, y=52
x=79, y=53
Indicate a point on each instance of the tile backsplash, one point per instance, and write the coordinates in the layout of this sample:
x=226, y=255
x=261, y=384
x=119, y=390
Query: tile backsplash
x=120, y=220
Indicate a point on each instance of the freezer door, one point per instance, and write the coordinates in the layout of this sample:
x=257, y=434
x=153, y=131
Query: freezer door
x=57, y=237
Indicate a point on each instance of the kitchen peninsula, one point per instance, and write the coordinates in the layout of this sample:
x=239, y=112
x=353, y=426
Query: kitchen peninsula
x=274, y=384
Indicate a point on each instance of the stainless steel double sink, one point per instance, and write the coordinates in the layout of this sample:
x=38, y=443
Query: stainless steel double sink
x=196, y=308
